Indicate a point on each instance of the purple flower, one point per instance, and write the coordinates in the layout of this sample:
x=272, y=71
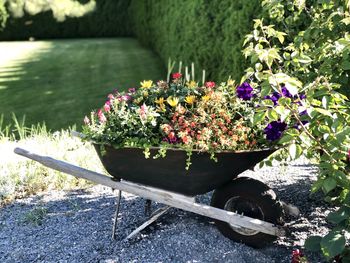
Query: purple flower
x=276, y=95
x=171, y=140
x=244, y=91
x=298, y=126
x=302, y=96
x=286, y=93
x=274, y=130
x=302, y=113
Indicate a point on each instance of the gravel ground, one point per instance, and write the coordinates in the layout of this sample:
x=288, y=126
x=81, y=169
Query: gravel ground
x=75, y=226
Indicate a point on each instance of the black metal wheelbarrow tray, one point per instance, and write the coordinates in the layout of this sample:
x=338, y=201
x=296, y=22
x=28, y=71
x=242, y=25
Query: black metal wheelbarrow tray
x=244, y=209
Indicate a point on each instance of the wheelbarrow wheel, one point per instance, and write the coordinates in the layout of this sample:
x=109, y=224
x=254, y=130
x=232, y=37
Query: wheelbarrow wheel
x=251, y=198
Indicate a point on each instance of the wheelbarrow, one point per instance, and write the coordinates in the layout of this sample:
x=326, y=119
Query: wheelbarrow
x=244, y=209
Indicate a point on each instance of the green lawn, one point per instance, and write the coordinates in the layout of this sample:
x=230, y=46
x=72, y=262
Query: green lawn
x=60, y=81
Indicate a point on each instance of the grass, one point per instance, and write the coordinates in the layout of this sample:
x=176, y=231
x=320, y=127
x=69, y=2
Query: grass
x=21, y=177
x=35, y=216
x=60, y=81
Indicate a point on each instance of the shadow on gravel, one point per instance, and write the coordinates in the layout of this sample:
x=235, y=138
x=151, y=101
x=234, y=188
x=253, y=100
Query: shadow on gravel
x=77, y=227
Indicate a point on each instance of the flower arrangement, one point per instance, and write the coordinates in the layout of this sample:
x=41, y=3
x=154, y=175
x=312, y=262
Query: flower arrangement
x=183, y=114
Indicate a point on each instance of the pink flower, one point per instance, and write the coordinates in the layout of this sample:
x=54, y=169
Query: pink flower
x=107, y=106
x=101, y=116
x=143, y=111
x=125, y=98
x=349, y=155
x=86, y=120
x=132, y=90
x=210, y=84
x=177, y=75
x=110, y=96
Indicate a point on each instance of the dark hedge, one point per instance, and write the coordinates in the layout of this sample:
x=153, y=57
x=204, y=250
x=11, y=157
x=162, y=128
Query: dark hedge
x=110, y=19
x=207, y=32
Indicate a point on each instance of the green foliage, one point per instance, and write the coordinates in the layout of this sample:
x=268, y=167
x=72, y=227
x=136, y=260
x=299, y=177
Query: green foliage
x=311, y=63
x=60, y=8
x=3, y=14
x=209, y=33
x=110, y=18
x=182, y=114
x=35, y=216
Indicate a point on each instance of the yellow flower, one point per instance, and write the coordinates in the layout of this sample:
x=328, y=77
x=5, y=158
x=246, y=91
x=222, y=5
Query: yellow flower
x=206, y=98
x=172, y=101
x=159, y=101
x=146, y=84
x=161, y=106
x=190, y=99
x=230, y=82
x=191, y=84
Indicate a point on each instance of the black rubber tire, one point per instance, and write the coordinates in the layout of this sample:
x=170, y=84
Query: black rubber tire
x=257, y=200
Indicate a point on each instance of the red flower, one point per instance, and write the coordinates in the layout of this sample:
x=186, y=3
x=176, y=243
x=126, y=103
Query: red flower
x=171, y=135
x=210, y=84
x=177, y=75
x=185, y=139
x=297, y=256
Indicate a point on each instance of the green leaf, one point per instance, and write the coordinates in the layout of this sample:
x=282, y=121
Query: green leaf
x=339, y=216
x=323, y=112
x=295, y=150
x=265, y=89
x=283, y=112
x=286, y=138
x=317, y=185
x=313, y=243
x=259, y=117
x=280, y=36
x=346, y=65
x=293, y=89
x=333, y=244
x=329, y=184
x=272, y=114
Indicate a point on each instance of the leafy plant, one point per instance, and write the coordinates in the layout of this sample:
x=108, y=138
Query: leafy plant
x=35, y=216
x=182, y=114
x=312, y=65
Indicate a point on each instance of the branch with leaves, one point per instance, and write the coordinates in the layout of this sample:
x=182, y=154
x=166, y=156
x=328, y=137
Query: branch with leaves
x=306, y=54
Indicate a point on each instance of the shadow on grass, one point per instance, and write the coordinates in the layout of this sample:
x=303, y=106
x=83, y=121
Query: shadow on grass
x=58, y=82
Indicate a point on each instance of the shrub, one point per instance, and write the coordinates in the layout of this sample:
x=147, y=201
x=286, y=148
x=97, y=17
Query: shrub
x=3, y=14
x=316, y=62
x=209, y=33
x=109, y=19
